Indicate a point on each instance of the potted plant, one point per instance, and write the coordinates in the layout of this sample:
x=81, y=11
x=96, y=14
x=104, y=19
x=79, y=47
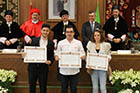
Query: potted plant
x=7, y=77
x=124, y=81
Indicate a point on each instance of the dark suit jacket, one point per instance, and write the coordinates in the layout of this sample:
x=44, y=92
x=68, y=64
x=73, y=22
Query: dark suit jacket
x=58, y=31
x=50, y=55
x=87, y=32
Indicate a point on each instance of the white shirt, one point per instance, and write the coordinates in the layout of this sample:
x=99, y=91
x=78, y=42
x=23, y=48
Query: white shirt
x=35, y=22
x=65, y=45
x=9, y=23
x=43, y=43
x=116, y=19
x=66, y=23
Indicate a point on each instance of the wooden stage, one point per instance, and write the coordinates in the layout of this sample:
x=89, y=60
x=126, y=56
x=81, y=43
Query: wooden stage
x=15, y=62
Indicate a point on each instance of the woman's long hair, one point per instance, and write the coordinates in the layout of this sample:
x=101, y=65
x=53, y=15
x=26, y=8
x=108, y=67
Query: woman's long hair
x=102, y=34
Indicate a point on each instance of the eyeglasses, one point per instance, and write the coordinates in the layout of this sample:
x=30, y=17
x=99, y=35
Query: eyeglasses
x=69, y=31
x=91, y=16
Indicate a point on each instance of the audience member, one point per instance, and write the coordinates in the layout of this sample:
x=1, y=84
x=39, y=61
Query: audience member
x=133, y=40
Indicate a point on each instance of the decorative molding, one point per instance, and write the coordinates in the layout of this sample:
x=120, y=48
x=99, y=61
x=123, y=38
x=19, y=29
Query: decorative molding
x=9, y=5
x=109, y=4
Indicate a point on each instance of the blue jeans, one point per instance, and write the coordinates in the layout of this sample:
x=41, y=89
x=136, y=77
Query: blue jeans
x=99, y=76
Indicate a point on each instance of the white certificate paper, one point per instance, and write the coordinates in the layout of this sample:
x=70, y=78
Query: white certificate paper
x=35, y=54
x=70, y=60
x=96, y=61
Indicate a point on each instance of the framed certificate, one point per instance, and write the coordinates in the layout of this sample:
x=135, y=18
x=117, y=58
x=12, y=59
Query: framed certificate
x=35, y=54
x=96, y=61
x=70, y=60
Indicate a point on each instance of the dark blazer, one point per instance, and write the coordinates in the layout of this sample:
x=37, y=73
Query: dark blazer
x=87, y=32
x=50, y=55
x=58, y=31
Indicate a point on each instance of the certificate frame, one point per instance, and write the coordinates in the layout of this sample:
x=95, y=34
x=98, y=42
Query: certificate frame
x=70, y=59
x=54, y=10
x=97, y=61
x=35, y=54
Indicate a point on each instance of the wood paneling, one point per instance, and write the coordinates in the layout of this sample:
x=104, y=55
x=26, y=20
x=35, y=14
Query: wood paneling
x=24, y=9
x=15, y=62
x=82, y=6
x=125, y=62
x=51, y=90
x=56, y=90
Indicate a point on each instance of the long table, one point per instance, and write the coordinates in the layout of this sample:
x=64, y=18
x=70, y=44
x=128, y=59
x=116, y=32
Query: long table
x=15, y=62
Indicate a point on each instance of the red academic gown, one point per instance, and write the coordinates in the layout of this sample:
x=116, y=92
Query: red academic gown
x=31, y=29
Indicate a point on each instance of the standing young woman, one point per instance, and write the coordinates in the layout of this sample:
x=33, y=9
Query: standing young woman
x=98, y=45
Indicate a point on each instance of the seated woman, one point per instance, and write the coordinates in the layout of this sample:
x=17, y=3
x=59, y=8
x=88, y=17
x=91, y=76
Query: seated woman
x=135, y=36
x=10, y=32
x=134, y=40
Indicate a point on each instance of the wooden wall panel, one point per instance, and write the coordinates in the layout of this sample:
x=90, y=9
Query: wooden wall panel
x=82, y=6
x=24, y=9
x=55, y=90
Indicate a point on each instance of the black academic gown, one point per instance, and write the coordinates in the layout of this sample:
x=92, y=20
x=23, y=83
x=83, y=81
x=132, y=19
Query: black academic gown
x=122, y=28
x=58, y=31
x=16, y=32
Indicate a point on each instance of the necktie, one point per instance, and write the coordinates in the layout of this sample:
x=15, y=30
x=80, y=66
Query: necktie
x=64, y=29
x=92, y=28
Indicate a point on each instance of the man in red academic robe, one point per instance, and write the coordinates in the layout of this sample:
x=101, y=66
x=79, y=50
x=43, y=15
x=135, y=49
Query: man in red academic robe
x=32, y=27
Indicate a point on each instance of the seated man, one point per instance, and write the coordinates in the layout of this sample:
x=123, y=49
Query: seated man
x=10, y=32
x=116, y=29
x=59, y=28
x=32, y=27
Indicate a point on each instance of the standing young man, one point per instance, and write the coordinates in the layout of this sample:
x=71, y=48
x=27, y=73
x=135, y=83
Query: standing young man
x=69, y=44
x=39, y=71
